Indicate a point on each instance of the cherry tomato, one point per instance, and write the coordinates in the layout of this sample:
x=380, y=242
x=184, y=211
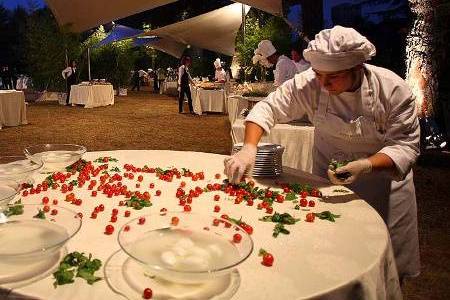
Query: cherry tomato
x=269, y=210
x=311, y=203
x=46, y=208
x=45, y=200
x=267, y=259
x=216, y=208
x=247, y=228
x=94, y=193
x=126, y=228
x=93, y=215
x=216, y=222
x=113, y=218
x=237, y=238
x=217, y=176
x=115, y=211
x=55, y=202
x=280, y=198
x=109, y=229
x=303, y=202
x=310, y=217
x=158, y=193
x=303, y=194
x=127, y=213
x=140, y=178
x=187, y=208
x=151, y=185
x=175, y=221
x=216, y=197
x=101, y=207
x=141, y=220
x=80, y=215
x=148, y=293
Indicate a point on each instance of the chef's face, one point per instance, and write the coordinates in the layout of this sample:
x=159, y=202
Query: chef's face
x=295, y=56
x=338, y=82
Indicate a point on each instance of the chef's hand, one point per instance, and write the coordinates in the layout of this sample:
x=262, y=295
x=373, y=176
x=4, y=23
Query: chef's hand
x=239, y=163
x=350, y=172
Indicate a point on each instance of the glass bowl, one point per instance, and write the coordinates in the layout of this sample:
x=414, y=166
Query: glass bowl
x=18, y=168
x=8, y=190
x=55, y=157
x=185, y=248
x=26, y=238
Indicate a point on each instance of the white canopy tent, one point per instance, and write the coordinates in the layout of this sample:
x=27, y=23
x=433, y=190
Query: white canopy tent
x=86, y=14
x=215, y=31
x=274, y=7
x=166, y=45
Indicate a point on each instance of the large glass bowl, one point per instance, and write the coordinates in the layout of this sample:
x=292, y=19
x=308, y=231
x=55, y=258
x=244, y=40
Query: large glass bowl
x=189, y=251
x=8, y=190
x=56, y=157
x=18, y=169
x=24, y=237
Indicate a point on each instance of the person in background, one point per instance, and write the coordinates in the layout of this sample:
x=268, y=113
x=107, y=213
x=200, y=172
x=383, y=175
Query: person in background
x=300, y=62
x=220, y=74
x=362, y=113
x=6, y=78
x=142, y=77
x=285, y=68
x=161, y=74
x=70, y=75
x=155, y=81
x=136, y=80
x=184, y=78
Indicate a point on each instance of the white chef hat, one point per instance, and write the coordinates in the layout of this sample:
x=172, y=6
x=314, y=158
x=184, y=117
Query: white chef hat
x=265, y=48
x=217, y=63
x=339, y=48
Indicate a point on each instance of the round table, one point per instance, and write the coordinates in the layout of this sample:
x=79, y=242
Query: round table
x=13, y=111
x=349, y=259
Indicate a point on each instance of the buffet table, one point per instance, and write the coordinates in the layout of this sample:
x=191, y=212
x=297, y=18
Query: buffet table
x=298, y=140
x=348, y=259
x=208, y=100
x=169, y=88
x=92, y=95
x=13, y=111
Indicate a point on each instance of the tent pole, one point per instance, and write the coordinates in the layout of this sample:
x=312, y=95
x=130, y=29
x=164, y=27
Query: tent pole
x=89, y=62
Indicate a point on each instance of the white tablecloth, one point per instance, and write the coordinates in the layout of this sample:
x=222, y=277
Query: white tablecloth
x=92, y=95
x=208, y=100
x=169, y=88
x=298, y=140
x=349, y=259
x=13, y=111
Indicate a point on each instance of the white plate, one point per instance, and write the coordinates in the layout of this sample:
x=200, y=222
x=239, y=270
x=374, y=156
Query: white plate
x=126, y=277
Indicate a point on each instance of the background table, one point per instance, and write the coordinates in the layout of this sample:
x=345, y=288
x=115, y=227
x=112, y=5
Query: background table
x=349, y=259
x=298, y=140
x=208, y=100
x=13, y=111
x=92, y=95
x=169, y=88
x=235, y=105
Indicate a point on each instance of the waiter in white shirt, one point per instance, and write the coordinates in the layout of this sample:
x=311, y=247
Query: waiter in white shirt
x=285, y=68
x=359, y=110
x=69, y=74
x=220, y=74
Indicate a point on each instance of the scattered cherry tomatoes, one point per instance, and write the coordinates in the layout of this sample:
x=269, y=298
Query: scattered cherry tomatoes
x=187, y=208
x=303, y=202
x=311, y=203
x=267, y=259
x=310, y=217
x=141, y=220
x=237, y=238
x=216, y=208
x=109, y=229
x=175, y=221
x=148, y=293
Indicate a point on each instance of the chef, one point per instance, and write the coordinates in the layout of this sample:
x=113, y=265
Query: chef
x=360, y=112
x=285, y=68
x=220, y=74
x=299, y=61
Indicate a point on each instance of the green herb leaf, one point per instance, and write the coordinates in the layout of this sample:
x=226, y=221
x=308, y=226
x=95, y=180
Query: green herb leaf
x=327, y=215
x=79, y=264
x=290, y=197
x=15, y=209
x=40, y=215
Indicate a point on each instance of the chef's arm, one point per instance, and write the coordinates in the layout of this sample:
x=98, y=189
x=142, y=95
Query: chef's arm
x=382, y=162
x=253, y=133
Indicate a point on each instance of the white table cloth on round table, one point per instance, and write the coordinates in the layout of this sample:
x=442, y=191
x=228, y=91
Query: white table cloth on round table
x=298, y=140
x=208, y=100
x=169, y=88
x=92, y=95
x=349, y=259
x=13, y=111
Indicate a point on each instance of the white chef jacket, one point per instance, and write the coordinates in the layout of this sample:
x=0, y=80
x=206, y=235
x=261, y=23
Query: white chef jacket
x=67, y=72
x=285, y=69
x=302, y=65
x=142, y=73
x=220, y=75
x=382, y=119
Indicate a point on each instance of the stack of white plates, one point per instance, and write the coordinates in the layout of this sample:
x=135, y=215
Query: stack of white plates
x=268, y=161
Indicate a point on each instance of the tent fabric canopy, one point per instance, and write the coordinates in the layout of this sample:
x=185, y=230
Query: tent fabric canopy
x=118, y=33
x=86, y=14
x=274, y=7
x=215, y=30
x=166, y=45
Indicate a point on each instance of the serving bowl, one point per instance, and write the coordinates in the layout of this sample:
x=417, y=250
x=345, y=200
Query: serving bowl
x=55, y=157
x=18, y=168
x=185, y=247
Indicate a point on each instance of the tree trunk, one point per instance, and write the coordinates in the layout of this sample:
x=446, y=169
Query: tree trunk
x=312, y=16
x=421, y=64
